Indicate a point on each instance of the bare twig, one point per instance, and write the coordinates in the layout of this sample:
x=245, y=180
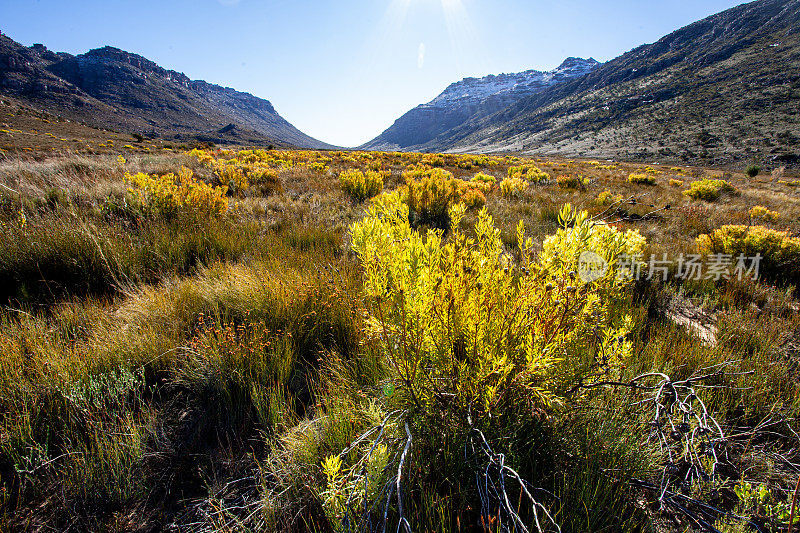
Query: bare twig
x=494, y=495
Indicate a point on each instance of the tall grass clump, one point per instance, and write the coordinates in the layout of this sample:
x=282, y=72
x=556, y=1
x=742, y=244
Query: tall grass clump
x=60, y=256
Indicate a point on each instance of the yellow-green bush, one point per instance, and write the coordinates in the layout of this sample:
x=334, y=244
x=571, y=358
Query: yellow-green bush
x=317, y=167
x=480, y=177
x=531, y=173
x=606, y=198
x=641, y=179
x=675, y=183
x=462, y=319
x=429, y=192
x=473, y=198
x=361, y=185
x=169, y=195
x=265, y=180
x=482, y=186
x=513, y=187
x=201, y=155
x=709, y=189
x=571, y=182
x=762, y=213
x=233, y=176
x=780, y=251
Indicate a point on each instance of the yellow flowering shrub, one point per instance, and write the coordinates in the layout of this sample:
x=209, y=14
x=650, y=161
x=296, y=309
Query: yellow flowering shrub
x=429, y=192
x=709, y=189
x=762, y=213
x=675, y=183
x=265, y=180
x=169, y=195
x=317, y=167
x=202, y=156
x=531, y=173
x=473, y=198
x=375, y=166
x=430, y=195
x=641, y=179
x=233, y=176
x=606, y=198
x=513, y=187
x=571, y=182
x=779, y=251
x=361, y=185
x=480, y=177
x=460, y=319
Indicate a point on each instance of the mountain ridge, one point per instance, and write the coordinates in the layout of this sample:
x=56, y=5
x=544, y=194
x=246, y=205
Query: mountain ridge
x=114, y=89
x=472, y=97
x=720, y=90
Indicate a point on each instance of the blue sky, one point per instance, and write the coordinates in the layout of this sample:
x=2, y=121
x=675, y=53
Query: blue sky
x=343, y=71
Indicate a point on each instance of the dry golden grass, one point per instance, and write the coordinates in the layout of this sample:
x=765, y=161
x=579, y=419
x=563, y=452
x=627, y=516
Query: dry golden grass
x=193, y=372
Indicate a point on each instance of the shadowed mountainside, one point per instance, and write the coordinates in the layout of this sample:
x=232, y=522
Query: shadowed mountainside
x=114, y=89
x=719, y=91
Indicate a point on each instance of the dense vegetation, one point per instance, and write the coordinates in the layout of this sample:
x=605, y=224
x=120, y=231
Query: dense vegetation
x=245, y=341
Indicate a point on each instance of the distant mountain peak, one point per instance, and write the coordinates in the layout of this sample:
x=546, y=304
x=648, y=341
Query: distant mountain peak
x=475, y=90
x=475, y=96
x=577, y=62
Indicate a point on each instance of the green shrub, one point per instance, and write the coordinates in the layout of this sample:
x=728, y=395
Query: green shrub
x=709, y=190
x=753, y=170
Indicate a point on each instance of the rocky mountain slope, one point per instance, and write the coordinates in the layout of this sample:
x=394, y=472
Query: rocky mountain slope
x=473, y=98
x=114, y=89
x=723, y=90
